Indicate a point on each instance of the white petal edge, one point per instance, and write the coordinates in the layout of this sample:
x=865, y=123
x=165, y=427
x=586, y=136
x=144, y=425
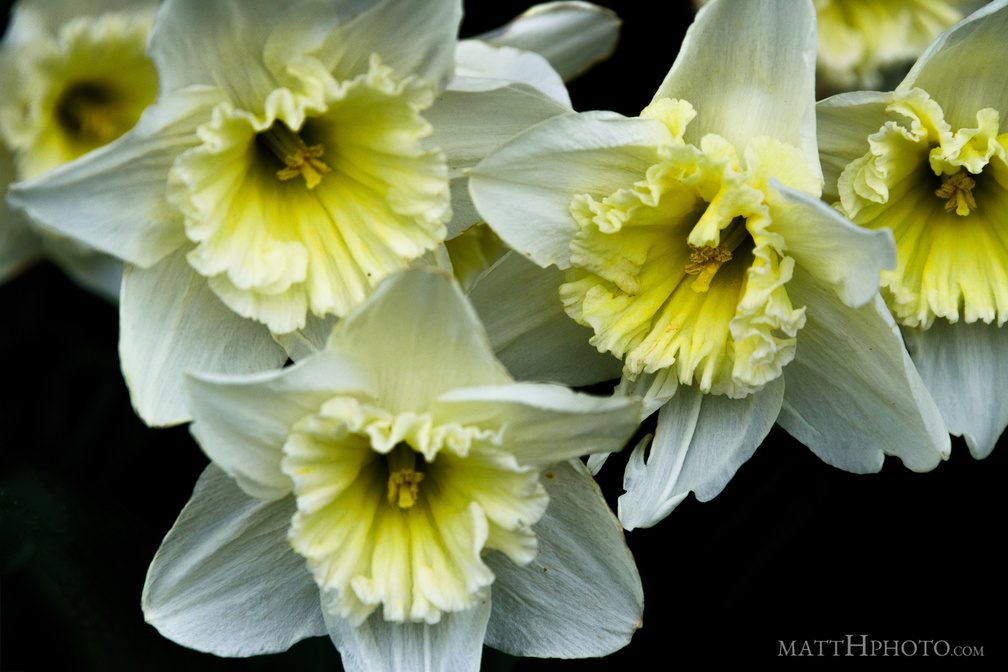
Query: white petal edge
x=455, y=644
x=225, y=581
x=524, y=189
x=831, y=247
x=700, y=441
x=113, y=199
x=581, y=595
x=474, y=58
x=170, y=323
x=529, y=331
x=544, y=424
x=242, y=422
x=965, y=366
x=573, y=36
x=748, y=68
x=853, y=394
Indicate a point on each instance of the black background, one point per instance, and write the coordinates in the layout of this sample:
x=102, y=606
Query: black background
x=791, y=550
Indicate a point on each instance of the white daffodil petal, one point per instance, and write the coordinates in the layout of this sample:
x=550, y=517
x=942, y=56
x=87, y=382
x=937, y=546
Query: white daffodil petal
x=843, y=124
x=965, y=366
x=581, y=596
x=243, y=422
x=423, y=322
x=410, y=36
x=543, y=424
x=573, y=36
x=170, y=322
x=700, y=441
x=954, y=69
x=853, y=395
x=125, y=213
x=303, y=342
x=452, y=645
x=217, y=44
x=524, y=189
x=475, y=116
x=744, y=85
x=474, y=58
x=225, y=581
x=529, y=330
x=831, y=247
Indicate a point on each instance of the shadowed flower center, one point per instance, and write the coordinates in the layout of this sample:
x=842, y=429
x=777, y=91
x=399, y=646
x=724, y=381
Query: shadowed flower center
x=77, y=92
x=951, y=241
x=404, y=478
x=298, y=158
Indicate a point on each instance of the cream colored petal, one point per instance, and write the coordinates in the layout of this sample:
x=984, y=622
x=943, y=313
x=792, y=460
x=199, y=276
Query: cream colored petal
x=524, y=189
x=573, y=36
x=241, y=423
x=843, y=124
x=224, y=580
x=170, y=323
x=113, y=199
x=852, y=394
x=543, y=424
x=581, y=596
x=700, y=441
x=218, y=44
x=474, y=58
x=455, y=644
x=474, y=117
x=529, y=331
x=955, y=69
x=421, y=337
x=965, y=367
x=749, y=70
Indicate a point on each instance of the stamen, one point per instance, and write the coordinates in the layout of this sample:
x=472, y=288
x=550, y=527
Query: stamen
x=958, y=189
x=704, y=263
x=298, y=157
x=404, y=480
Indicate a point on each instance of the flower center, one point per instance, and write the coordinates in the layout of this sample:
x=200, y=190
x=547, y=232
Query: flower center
x=404, y=479
x=92, y=113
x=958, y=190
x=298, y=158
x=705, y=261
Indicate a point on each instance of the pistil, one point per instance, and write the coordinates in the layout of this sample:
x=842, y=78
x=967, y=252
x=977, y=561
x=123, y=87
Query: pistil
x=705, y=261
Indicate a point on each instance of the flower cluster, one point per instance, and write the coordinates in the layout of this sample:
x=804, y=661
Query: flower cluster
x=350, y=249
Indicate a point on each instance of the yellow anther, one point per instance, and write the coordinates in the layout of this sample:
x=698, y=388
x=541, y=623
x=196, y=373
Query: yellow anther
x=704, y=263
x=307, y=163
x=958, y=189
x=404, y=487
x=299, y=159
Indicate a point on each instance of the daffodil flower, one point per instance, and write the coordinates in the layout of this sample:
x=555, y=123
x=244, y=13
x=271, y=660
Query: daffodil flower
x=399, y=492
x=861, y=40
x=74, y=77
x=697, y=250
x=928, y=162
x=298, y=153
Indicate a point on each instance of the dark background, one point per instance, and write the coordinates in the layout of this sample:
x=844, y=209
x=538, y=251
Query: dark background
x=791, y=550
